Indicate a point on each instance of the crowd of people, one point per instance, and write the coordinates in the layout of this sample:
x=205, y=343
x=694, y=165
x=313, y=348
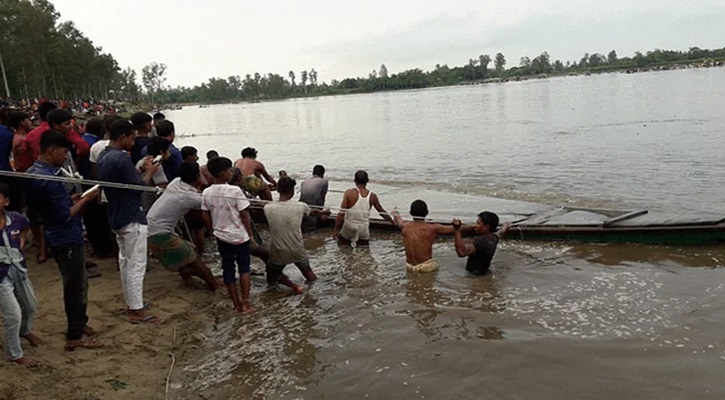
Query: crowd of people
x=155, y=199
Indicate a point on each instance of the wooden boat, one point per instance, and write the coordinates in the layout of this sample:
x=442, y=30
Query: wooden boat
x=608, y=226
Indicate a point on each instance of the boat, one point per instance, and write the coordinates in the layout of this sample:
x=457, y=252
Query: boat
x=606, y=226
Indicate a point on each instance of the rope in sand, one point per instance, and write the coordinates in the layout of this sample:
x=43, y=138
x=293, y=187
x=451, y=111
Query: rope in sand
x=173, y=361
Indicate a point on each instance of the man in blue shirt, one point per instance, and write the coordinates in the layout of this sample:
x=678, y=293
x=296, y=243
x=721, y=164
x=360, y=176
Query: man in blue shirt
x=172, y=165
x=63, y=234
x=127, y=216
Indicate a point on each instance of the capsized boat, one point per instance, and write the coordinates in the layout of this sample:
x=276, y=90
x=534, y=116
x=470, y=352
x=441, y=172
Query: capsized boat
x=607, y=226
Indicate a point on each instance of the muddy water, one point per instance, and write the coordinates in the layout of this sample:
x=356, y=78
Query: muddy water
x=553, y=320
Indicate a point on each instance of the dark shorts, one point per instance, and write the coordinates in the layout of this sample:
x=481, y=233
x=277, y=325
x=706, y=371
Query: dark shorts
x=234, y=255
x=274, y=271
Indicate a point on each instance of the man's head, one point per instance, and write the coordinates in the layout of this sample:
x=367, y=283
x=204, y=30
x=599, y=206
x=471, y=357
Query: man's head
x=60, y=120
x=159, y=147
x=220, y=168
x=158, y=117
x=165, y=129
x=108, y=120
x=418, y=209
x=54, y=147
x=44, y=108
x=141, y=121
x=189, y=154
x=189, y=173
x=286, y=185
x=95, y=127
x=19, y=119
x=211, y=154
x=249, y=152
x=122, y=134
x=486, y=222
x=361, y=177
x=318, y=170
x=4, y=196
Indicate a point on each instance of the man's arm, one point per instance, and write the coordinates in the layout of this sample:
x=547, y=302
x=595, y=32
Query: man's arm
x=376, y=203
x=398, y=219
x=83, y=149
x=244, y=214
x=503, y=230
x=462, y=249
x=341, y=215
x=265, y=174
x=206, y=216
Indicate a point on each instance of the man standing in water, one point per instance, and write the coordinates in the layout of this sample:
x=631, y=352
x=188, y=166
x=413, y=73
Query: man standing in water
x=353, y=220
x=313, y=193
x=252, y=173
x=480, y=252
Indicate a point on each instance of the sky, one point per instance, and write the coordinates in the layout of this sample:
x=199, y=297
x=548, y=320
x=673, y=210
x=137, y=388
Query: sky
x=198, y=40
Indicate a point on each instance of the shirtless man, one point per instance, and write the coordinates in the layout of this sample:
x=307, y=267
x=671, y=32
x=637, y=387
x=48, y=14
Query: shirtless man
x=353, y=220
x=252, y=173
x=418, y=237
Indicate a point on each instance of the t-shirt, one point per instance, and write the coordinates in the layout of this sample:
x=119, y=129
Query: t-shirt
x=139, y=143
x=479, y=262
x=313, y=191
x=225, y=202
x=177, y=200
x=10, y=251
x=84, y=165
x=159, y=177
x=97, y=149
x=124, y=205
x=6, y=147
x=284, y=219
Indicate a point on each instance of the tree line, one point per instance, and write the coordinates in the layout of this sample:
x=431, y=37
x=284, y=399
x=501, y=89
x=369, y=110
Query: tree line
x=43, y=58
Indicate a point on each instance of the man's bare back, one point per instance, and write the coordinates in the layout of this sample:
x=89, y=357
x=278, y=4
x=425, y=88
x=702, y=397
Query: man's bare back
x=418, y=237
x=250, y=166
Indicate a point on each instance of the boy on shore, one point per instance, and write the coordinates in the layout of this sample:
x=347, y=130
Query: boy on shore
x=285, y=226
x=226, y=215
x=17, y=300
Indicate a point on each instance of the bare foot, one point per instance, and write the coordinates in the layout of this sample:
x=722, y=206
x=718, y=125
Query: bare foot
x=246, y=308
x=297, y=289
x=34, y=340
x=88, y=331
x=84, y=343
x=25, y=361
x=140, y=317
x=42, y=258
x=218, y=284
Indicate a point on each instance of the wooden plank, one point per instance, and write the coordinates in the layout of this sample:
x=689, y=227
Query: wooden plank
x=626, y=216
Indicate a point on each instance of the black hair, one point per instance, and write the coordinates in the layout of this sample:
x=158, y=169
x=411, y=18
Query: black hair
x=158, y=146
x=158, y=116
x=53, y=139
x=318, y=170
x=361, y=177
x=418, y=209
x=489, y=219
x=44, y=108
x=165, y=128
x=120, y=128
x=249, y=152
x=211, y=154
x=108, y=120
x=217, y=166
x=4, y=190
x=286, y=184
x=4, y=115
x=58, y=116
x=95, y=127
x=236, y=176
x=189, y=172
x=188, y=151
x=139, y=119
x=15, y=118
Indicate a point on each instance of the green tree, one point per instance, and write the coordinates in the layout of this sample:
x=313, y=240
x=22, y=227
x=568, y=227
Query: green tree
x=483, y=61
x=383, y=73
x=612, y=57
x=291, y=75
x=525, y=62
x=153, y=77
x=303, y=79
x=499, y=63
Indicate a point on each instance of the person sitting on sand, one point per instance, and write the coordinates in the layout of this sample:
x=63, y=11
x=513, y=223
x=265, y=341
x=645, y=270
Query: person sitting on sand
x=226, y=216
x=284, y=218
x=63, y=234
x=17, y=300
x=353, y=220
x=480, y=252
x=175, y=253
x=418, y=237
x=252, y=172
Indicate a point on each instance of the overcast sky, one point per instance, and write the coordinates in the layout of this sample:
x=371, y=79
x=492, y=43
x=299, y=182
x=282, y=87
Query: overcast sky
x=198, y=40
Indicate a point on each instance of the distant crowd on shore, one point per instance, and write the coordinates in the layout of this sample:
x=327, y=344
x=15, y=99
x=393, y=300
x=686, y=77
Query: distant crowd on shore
x=157, y=199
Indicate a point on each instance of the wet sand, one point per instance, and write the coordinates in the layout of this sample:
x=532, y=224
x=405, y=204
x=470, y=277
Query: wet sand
x=136, y=359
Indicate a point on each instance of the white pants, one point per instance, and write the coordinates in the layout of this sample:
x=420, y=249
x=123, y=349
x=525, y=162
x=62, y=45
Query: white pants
x=132, y=257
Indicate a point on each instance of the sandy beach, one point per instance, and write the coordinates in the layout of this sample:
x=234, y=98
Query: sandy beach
x=136, y=359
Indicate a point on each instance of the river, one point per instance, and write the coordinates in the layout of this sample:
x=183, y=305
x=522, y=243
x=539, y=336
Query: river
x=554, y=319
